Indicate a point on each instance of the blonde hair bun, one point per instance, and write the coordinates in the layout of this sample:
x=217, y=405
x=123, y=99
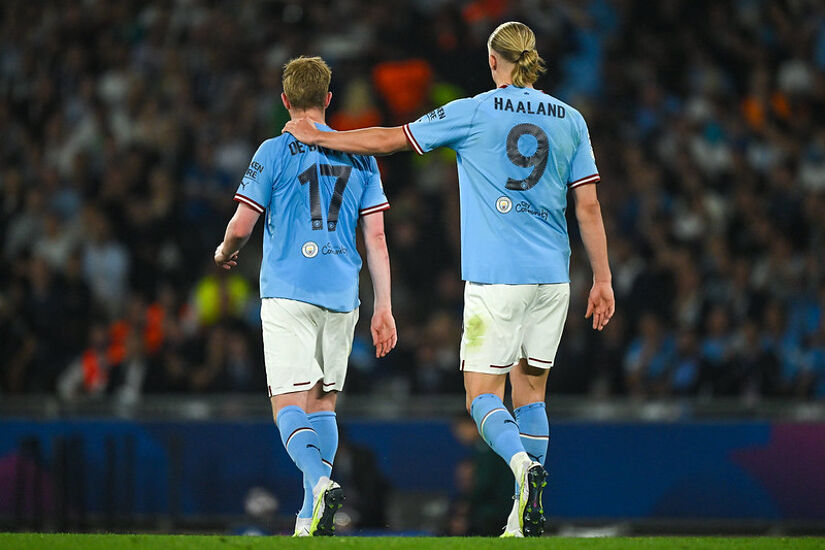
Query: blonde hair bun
x=516, y=43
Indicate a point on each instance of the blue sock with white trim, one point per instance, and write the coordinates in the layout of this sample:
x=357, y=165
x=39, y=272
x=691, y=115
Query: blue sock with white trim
x=498, y=428
x=534, y=430
x=325, y=425
x=301, y=442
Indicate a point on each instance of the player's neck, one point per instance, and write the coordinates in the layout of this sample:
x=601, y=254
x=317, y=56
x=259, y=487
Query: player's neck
x=501, y=82
x=315, y=115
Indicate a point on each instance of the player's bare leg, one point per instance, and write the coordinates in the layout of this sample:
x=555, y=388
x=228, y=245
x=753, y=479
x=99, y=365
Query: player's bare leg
x=319, y=400
x=500, y=431
x=528, y=384
x=528, y=391
x=477, y=383
x=295, y=399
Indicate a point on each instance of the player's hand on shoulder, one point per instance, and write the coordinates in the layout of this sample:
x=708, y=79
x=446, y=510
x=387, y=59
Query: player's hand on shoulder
x=601, y=304
x=384, y=334
x=302, y=129
x=224, y=261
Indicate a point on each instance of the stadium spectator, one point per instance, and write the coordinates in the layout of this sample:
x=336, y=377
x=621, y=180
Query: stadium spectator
x=126, y=127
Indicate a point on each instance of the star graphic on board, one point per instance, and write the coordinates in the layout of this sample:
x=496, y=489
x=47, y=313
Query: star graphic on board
x=790, y=468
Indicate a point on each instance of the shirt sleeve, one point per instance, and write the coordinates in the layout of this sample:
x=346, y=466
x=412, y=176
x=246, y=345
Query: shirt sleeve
x=373, y=199
x=446, y=126
x=583, y=168
x=255, y=189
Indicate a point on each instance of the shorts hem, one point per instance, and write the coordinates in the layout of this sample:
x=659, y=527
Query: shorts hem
x=538, y=363
x=486, y=368
x=334, y=386
x=294, y=388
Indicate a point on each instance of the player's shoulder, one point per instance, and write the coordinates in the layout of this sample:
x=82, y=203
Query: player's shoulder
x=480, y=99
x=362, y=163
x=275, y=144
x=485, y=95
x=465, y=106
x=575, y=114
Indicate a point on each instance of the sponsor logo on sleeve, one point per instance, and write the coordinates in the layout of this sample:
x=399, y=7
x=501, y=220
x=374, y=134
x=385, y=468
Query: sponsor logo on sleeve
x=436, y=114
x=254, y=169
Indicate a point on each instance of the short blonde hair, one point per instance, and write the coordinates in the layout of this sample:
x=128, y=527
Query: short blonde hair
x=516, y=43
x=306, y=82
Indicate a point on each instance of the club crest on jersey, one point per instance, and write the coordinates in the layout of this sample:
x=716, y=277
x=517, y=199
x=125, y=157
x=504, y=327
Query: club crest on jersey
x=504, y=204
x=310, y=249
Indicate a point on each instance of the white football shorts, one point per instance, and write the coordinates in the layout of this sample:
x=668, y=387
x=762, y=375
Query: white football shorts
x=504, y=323
x=305, y=343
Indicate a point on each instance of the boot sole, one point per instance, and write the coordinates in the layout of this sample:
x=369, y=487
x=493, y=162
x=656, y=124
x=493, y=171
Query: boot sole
x=533, y=517
x=333, y=501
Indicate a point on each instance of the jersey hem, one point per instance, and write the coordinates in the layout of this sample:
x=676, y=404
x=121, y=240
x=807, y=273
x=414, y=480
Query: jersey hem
x=312, y=303
x=411, y=139
x=594, y=178
x=481, y=281
x=249, y=202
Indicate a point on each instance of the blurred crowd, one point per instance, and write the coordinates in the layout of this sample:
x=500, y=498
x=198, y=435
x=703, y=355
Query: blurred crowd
x=127, y=125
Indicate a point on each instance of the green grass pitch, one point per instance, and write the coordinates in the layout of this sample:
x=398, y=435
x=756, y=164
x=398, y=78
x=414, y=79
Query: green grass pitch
x=26, y=541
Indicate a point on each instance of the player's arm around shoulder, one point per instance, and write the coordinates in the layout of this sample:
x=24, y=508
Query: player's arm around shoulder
x=601, y=303
x=382, y=326
x=366, y=141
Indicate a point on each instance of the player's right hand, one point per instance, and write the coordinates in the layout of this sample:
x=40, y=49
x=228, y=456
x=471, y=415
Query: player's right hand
x=224, y=261
x=384, y=334
x=302, y=129
x=601, y=304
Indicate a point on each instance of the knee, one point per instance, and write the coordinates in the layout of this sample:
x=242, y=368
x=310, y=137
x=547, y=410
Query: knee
x=323, y=402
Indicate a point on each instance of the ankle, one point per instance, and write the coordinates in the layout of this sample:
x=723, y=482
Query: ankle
x=519, y=463
x=320, y=486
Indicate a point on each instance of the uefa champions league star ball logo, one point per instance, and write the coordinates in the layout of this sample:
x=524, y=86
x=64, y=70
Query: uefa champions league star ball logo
x=309, y=250
x=504, y=204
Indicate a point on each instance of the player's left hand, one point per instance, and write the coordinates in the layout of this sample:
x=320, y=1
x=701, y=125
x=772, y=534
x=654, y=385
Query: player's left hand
x=224, y=261
x=601, y=304
x=302, y=129
x=384, y=334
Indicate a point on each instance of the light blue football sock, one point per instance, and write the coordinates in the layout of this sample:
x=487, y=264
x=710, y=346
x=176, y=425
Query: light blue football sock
x=534, y=431
x=497, y=426
x=301, y=442
x=325, y=425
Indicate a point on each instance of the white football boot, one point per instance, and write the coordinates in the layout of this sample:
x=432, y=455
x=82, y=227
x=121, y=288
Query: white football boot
x=302, y=527
x=513, y=527
x=328, y=498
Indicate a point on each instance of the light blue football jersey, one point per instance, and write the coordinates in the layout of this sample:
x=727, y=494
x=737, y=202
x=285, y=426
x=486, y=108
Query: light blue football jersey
x=519, y=152
x=311, y=199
